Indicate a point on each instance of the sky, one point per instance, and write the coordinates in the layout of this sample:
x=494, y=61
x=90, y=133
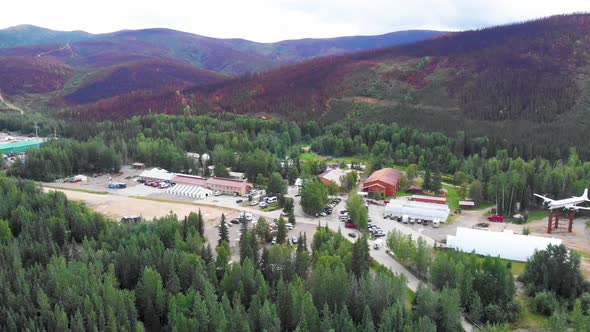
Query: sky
x=274, y=20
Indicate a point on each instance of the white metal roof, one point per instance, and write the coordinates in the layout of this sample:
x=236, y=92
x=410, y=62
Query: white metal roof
x=189, y=191
x=505, y=244
x=157, y=173
x=419, y=210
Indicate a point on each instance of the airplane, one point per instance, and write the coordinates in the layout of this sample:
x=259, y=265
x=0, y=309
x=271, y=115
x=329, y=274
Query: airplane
x=567, y=204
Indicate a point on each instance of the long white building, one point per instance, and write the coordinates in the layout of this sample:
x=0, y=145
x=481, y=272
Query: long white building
x=190, y=191
x=505, y=244
x=416, y=210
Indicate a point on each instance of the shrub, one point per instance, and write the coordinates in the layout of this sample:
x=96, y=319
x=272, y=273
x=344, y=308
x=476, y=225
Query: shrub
x=545, y=303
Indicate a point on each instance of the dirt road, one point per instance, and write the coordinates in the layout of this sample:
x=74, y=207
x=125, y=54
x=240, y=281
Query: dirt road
x=119, y=206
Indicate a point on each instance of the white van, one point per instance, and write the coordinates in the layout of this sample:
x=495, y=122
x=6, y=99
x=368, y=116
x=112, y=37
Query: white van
x=272, y=200
x=405, y=219
x=436, y=223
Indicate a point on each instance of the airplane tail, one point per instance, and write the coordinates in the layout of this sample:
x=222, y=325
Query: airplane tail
x=585, y=194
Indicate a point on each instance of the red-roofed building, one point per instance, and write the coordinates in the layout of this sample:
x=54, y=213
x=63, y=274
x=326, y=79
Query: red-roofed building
x=189, y=180
x=386, y=181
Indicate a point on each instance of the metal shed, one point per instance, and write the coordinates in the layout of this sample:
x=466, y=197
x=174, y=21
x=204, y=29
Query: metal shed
x=19, y=147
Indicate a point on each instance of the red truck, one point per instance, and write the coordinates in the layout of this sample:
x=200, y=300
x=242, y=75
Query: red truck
x=496, y=218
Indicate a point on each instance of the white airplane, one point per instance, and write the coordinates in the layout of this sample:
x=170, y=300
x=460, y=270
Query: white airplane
x=568, y=203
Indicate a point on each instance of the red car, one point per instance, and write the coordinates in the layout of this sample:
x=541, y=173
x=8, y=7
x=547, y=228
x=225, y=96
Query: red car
x=496, y=218
x=349, y=225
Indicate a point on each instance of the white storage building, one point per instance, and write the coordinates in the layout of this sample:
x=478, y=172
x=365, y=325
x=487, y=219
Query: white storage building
x=156, y=174
x=505, y=244
x=190, y=191
x=416, y=210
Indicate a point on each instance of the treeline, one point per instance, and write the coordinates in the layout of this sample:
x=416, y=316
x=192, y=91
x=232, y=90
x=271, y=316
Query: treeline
x=495, y=175
x=60, y=158
x=64, y=267
x=262, y=147
x=485, y=286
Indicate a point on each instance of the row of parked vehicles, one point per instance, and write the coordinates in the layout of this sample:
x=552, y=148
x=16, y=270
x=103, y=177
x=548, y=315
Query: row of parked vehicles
x=159, y=185
x=329, y=208
x=265, y=202
x=409, y=220
x=375, y=230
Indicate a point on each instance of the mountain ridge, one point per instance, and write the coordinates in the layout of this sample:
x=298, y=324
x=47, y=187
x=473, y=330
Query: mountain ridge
x=518, y=82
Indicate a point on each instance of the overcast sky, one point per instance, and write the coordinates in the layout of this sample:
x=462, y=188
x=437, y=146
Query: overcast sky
x=273, y=20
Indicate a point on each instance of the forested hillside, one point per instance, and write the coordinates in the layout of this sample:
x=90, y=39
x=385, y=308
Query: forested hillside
x=52, y=70
x=25, y=35
x=525, y=83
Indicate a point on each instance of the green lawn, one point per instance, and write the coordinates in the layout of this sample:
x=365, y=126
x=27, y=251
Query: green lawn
x=516, y=269
x=271, y=207
x=307, y=156
x=537, y=215
x=452, y=196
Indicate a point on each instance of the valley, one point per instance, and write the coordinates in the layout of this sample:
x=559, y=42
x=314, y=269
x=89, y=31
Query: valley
x=161, y=180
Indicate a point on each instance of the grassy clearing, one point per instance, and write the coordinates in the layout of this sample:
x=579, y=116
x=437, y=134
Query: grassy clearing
x=527, y=319
x=516, y=268
x=308, y=156
x=88, y=191
x=537, y=215
x=452, y=196
x=584, y=255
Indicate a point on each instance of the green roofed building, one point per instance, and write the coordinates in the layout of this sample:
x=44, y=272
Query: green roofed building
x=19, y=147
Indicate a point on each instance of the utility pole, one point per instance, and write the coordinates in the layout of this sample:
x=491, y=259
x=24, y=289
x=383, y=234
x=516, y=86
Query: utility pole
x=36, y=127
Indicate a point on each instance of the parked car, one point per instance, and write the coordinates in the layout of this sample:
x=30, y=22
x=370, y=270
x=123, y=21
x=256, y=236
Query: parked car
x=349, y=225
x=235, y=221
x=352, y=235
x=238, y=201
x=289, y=226
x=263, y=205
x=496, y=218
x=217, y=193
x=253, y=203
x=294, y=240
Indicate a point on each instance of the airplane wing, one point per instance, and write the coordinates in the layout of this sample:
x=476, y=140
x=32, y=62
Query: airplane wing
x=581, y=208
x=546, y=199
